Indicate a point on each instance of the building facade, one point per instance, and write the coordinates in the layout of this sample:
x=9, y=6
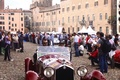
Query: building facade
x=12, y=20
x=73, y=14
x=118, y=16
x=1, y=4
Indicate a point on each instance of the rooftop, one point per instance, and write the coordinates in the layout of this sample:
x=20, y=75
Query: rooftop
x=11, y=10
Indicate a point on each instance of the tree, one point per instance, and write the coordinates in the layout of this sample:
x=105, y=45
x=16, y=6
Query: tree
x=112, y=21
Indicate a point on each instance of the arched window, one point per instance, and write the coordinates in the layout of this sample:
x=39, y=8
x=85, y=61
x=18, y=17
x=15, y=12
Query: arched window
x=88, y=17
x=68, y=19
x=68, y=9
x=105, y=2
x=100, y=29
x=83, y=17
x=73, y=29
x=106, y=16
x=73, y=19
x=63, y=20
x=100, y=16
x=107, y=30
x=78, y=18
x=93, y=17
x=68, y=30
x=79, y=6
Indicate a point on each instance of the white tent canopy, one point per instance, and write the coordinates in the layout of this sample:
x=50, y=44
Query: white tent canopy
x=83, y=30
x=60, y=29
x=90, y=30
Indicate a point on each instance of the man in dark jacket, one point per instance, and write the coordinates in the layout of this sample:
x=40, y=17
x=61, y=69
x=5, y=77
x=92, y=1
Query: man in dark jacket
x=101, y=55
x=21, y=38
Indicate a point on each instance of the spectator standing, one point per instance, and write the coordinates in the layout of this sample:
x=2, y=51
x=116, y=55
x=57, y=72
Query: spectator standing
x=15, y=41
x=3, y=43
x=72, y=43
x=21, y=38
x=48, y=38
x=33, y=37
x=89, y=43
x=76, y=45
x=112, y=52
x=61, y=38
x=66, y=39
x=40, y=38
x=52, y=39
x=87, y=38
x=102, y=56
x=7, y=47
x=116, y=41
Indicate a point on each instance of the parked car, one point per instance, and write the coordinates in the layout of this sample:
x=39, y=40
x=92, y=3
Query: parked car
x=53, y=63
x=117, y=56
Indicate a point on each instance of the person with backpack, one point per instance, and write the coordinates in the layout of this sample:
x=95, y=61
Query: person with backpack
x=103, y=49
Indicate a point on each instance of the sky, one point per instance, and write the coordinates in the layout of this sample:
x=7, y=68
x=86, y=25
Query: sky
x=24, y=4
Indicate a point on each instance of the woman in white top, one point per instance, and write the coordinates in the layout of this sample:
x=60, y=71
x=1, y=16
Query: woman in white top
x=90, y=41
x=15, y=41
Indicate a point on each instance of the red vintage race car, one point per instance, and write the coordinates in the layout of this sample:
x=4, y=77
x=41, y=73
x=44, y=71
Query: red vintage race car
x=117, y=56
x=114, y=57
x=53, y=63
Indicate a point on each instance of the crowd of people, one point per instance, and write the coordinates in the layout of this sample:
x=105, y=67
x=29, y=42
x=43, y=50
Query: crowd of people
x=10, y=41
x=47, y=39
x=99, y=47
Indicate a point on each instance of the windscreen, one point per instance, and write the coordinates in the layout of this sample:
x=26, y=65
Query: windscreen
x=62, y=51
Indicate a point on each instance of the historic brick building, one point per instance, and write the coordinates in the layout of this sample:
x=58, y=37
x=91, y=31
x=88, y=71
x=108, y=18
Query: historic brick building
x=12, y=20
x=1, y=4
x=72, y=14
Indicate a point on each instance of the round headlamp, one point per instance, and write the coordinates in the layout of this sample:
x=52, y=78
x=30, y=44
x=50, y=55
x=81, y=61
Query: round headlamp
x=82, y=71
x=49, y=72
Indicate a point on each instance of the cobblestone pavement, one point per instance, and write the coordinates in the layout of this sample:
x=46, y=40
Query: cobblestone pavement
x=15, y=70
